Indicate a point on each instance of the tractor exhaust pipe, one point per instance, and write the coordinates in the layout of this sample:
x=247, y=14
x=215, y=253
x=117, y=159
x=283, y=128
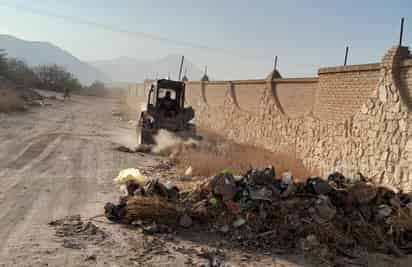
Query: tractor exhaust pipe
x=181, y=67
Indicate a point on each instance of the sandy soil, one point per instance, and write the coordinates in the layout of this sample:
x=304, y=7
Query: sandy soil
x=59, y=160
x=55, y=161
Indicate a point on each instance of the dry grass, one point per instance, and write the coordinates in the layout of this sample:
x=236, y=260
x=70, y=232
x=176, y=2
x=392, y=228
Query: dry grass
x=150, y=208
x=216, y=153
x=10, y=101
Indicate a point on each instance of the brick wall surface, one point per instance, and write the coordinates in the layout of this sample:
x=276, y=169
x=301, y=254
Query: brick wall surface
x=139, y=89
x=247, y=95
x=361, y=119
x=193, y=93
x=406, y=81
x=341, y=94
x=215, y=92
x=296, y=96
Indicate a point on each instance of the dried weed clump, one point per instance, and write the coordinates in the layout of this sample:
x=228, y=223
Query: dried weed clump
x=215, y=153
x=10, y=100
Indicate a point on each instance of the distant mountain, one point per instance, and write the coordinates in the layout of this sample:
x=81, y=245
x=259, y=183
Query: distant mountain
x=36, y=53
x=126, y=69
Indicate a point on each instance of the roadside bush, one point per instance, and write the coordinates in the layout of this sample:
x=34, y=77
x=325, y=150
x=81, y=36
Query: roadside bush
x=20, y=73
x=56, y=78
x=48, y=77
x=97, y=88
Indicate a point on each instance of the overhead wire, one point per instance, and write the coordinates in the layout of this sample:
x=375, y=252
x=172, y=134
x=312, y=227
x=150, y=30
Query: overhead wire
x=140, y=34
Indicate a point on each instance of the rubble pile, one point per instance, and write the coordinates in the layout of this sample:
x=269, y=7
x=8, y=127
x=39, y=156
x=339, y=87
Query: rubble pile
x=337, y=216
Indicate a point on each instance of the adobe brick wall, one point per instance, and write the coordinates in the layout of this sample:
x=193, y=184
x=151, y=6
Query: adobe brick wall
x=136, y=90
x=215, y=92
x=246, y=94
x=194, y=95
x=406, y=81
x=349, y=119
x=343, y=90
x=296, y=96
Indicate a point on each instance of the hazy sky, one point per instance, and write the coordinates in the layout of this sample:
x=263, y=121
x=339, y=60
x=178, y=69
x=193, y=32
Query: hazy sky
x=236, y=39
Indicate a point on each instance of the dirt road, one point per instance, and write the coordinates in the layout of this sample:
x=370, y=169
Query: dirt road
x=55, y=161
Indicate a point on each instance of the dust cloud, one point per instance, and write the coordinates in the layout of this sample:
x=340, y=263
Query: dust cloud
x=126, y=138
x=167, y=141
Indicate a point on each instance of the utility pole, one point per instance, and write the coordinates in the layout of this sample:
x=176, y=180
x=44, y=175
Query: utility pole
x=346, y=56
x=401, y=33
x=181, y=66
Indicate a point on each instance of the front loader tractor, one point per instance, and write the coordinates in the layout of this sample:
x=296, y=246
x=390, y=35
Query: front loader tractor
x=166, y=110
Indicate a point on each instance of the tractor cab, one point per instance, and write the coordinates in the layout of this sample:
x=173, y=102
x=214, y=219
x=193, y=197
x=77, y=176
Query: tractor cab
x=165, y=110
x=166, y=98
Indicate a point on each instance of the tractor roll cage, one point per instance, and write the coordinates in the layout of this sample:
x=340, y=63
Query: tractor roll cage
x=177, y=87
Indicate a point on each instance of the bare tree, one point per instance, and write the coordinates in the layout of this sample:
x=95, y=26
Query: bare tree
x=56, y=78
x=20, y=73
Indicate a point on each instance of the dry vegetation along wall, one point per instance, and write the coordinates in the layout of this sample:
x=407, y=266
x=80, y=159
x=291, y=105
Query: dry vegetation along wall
x=349, y=119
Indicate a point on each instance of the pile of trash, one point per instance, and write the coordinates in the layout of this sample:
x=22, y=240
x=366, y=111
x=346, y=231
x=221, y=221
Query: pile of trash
x=143, y=198
x=333, y=217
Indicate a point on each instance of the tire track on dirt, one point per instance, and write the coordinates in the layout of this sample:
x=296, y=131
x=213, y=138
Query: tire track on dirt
x=19, y=197
x=24, y=196
x=29, y=143
x=37, y=142
x=38, y=204
x=16, y=151
x=12, y=177
x=79, y=186
x=31, y=210
x=69, y=170
x=32, y=151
